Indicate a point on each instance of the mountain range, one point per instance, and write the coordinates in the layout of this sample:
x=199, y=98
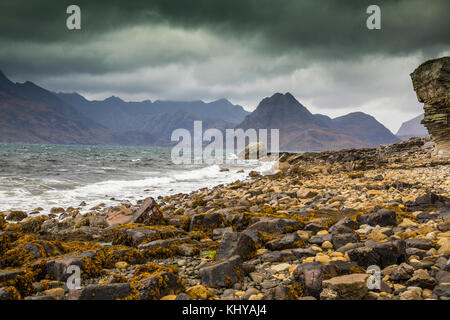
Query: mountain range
x=31, y=114
x=412, y=128
x=302, y=130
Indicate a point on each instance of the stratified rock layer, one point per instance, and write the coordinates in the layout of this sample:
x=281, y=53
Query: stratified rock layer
x=431, y=81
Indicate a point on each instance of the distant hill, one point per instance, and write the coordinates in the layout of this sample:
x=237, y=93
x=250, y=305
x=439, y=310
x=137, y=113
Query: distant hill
x=301, y=130
x=164, y=124
x=412, y=128
x=31, y=114
x=116, y=114
x=364, y=127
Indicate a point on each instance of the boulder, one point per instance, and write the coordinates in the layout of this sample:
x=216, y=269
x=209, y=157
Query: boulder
x=442, y=290
x=287, y=241
x=148, y=213
x=236, y=243
x=119, y=215
x=421, y=278
x=310, y=275
x=422, y=244
x=157, y=285
x=340, y=240
x=382, y=217
x=101, y=292
x=382, y=254
x=57, y=268
x=9, y=293
x=403, y=272
x=431, y=81
x=347, y=287
x=345, y=225
x=224, y=273
x=208, y=221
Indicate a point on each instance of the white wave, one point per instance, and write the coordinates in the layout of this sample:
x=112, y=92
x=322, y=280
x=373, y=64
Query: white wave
x=22, y=196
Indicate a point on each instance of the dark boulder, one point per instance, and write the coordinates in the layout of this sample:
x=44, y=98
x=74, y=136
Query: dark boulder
x=345, y=225
x=207, y=221
x=310, y=275
x=422, y=244
x=148, y=213
x=340, y=240
x=236, y=243
x=287, y=241
x=382, y=217
x=101, y=292
x=224, y=273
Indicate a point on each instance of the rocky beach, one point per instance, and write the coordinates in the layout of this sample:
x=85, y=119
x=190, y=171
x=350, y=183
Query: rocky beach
x=309, y=231
x=353, y=224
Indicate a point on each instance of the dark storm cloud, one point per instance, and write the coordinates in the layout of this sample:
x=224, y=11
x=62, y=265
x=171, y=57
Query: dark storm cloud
x=244, y=50
x=284, y=24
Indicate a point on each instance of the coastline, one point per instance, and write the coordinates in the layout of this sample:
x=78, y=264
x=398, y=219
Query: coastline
x=310, y=230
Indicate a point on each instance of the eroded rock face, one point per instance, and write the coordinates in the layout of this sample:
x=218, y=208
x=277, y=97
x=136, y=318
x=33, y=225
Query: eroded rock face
x=431, y=81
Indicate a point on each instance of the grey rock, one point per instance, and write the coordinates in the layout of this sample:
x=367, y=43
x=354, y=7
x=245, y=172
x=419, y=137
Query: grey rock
x=382, y=217
x=101, y=292
x=223, y=273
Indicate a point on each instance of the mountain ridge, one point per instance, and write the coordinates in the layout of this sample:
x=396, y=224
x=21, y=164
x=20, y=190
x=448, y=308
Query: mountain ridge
x=33, y=114
x=301, y=130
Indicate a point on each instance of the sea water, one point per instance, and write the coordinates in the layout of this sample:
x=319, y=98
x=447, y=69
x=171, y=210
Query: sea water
x=47, y=176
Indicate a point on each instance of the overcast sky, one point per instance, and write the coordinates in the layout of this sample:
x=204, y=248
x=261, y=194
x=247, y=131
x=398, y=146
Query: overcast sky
x=244, y=50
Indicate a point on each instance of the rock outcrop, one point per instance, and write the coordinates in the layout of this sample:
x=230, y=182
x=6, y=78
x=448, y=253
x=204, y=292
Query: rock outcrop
x=431, y=81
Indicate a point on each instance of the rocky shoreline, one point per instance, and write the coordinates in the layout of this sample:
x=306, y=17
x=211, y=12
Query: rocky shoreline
x=310, y=231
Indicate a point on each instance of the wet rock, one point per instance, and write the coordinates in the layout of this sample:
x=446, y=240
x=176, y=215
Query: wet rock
x=157, y=284
x=340, y=240
x=206, y=221
x=223, y=273
x=134, y=236
x=345, y=225
x=443, y=276
x=416, y=252
x=219, y=232
x=149, y=213
x=422, y=244
x=301, y=253
x=288, y=241
x=119, y=215
x=101, y=292
x=442, y=290
x=310, y=275
x=183, y=296
x=236, y=243
x=381, y=217
x=10, y=275
x=388, y=253
x=347, y=287
x=421, y=278
x=312, y=226
x=57, y=268
x=275, y=226
x=9, y=293
x=16, y=216
x=278, y=256
x=403, y=272
x=319, y=239
x=163, y=243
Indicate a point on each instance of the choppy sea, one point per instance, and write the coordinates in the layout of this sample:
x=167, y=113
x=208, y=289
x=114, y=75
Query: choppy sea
x=47, y=176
